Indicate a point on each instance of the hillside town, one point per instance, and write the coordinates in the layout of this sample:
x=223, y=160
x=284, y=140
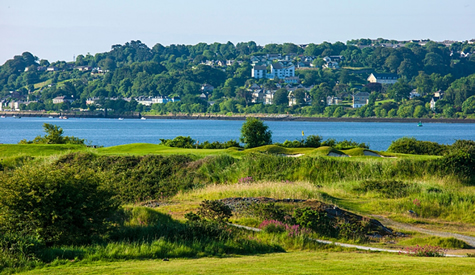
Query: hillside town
x=288, y=76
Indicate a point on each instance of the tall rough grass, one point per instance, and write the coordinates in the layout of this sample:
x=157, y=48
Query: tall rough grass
x=273, y=189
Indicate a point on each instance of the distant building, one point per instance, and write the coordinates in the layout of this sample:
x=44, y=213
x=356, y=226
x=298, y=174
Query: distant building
x=360, y=99
x=278, y=70
x=437, y=95
x=207, y=88
x=383, y=78
x=333, y=100
x=414, y=94
x=83, y=68
x=62, y=99
x=258, y=72
x=292, y=79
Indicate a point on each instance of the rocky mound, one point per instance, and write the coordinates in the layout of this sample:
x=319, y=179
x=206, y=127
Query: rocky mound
x=239, y=204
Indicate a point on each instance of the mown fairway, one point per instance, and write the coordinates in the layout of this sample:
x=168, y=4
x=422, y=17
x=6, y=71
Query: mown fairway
x=278, y=263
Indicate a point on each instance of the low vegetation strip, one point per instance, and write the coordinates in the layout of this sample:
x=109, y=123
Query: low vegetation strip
x=359, y=247
x=468, y=239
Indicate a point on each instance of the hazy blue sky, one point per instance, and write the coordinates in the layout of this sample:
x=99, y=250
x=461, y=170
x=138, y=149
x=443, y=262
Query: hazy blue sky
x=58, y=30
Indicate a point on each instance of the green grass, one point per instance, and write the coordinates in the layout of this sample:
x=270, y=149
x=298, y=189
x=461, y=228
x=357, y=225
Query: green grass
x=35, y=150
x=451, y=242
x=383, y=101
x=42, y=84
x=303, y=262
x=148, y=148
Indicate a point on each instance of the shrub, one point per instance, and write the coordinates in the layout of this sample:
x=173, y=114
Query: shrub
x=317, y=221
x=272, y=226
x=459, y=163
x=410, y=145
x=268, y=211
x=192, y=217
x=425, y=251
x=215, y=211
x=467, y=146
x=356, y=231
x=137, y=178
x=313, y=141
x=179, y=141
x=60, y=206
x=344, y=144
x=349, y=144
x=188, y=142
x=219, y=145
x=54, y=135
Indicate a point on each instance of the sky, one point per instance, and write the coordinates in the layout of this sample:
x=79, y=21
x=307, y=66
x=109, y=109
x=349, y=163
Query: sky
x=62, y=29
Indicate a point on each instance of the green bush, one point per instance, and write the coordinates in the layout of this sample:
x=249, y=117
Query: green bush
x=139, y=178
x=54, y=135
x=410, y=145
x=311, y=141
x=59, y=206
x=268, y=211
x=458, y=163
x=356, y=231
x=180, y=142
x=344, y=144
x=188, y=142
x=215, y=211
x=315, y=220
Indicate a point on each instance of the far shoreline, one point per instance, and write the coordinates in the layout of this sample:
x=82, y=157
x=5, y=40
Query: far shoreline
x=264, y=117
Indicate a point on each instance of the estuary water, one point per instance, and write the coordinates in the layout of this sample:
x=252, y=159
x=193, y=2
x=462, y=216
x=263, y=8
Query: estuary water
x=111, y=132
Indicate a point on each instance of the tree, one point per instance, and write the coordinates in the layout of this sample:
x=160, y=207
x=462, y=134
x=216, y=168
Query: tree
x=280, y=97
x=54, y=135
x=400, y=90
x=468, y=107
x=255, y=133
x=300, y=96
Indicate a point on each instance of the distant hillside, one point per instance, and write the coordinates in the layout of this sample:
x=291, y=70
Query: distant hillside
x=433, y=79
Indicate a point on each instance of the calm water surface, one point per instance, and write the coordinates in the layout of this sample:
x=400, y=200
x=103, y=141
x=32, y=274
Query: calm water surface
x=111, y=132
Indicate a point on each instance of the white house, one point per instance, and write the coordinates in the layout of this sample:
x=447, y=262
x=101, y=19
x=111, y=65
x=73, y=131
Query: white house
x=383, y=78
x=433, y=101
x=277, y=70
x=62, y=99
x=147, y=101
x=269, y=97
x=360, y=99
x=292, y=79
x=333, y=100
x=259, y=72
x=414, y=94
x=331, y=65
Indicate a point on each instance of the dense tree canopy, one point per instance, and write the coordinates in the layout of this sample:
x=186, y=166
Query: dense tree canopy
x=133, y=69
